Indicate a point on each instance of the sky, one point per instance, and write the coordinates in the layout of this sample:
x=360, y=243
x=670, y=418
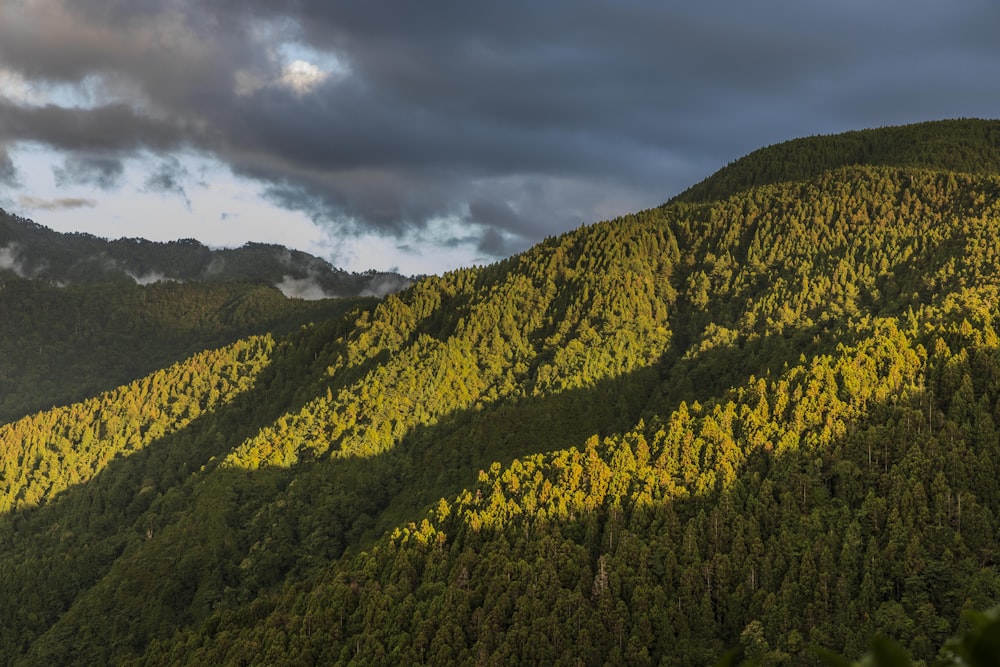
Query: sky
x=421, y=137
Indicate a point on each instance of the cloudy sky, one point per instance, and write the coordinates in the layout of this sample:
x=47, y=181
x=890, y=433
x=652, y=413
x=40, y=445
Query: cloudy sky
x=424, y=136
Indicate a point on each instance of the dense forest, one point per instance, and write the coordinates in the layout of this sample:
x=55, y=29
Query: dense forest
x=63, y=344
x=762, y=416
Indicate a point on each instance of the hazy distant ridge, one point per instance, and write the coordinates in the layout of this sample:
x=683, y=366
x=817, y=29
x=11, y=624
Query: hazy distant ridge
x=36, y=252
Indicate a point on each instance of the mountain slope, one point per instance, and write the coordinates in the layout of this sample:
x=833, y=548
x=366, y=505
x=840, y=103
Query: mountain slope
x=807, y=493
x=766, y=419
x=63, y=344
x=70, y=304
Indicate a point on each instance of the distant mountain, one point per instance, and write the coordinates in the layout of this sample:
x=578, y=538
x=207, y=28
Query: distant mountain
x=763, y=416
x=36, y=252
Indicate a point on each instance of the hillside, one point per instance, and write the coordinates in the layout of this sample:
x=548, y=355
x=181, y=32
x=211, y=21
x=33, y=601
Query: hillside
x=32, y=251
x=765, y=418
x=63, y=344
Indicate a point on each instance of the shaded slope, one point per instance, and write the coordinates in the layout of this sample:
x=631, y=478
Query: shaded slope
x=634, y=550
x=59, y=345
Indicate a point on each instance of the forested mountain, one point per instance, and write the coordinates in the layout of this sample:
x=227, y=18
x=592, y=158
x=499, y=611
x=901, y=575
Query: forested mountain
x=63, y=344
x=960, y=146
x=30, y=250
x=763, y=415
x=80, y=314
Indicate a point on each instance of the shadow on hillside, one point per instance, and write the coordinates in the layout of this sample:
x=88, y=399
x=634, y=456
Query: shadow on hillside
x=686, y=578
x=81, y=343
x=814, y=545
x=683, y=578
x=162, y=538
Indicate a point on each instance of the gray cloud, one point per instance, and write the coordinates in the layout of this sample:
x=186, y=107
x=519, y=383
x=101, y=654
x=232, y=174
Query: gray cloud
x=382, y=285
x=168, y=178
x=108, y=128
x=8, y=171
x=522, y=119
x=492, y=243
x=97, y=170
x=496, y=214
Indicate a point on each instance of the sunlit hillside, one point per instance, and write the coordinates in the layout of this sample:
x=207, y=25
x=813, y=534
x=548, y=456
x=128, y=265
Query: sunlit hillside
x=763, y=415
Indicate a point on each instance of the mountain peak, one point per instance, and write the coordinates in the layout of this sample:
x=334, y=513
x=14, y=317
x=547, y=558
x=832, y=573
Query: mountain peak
x=961, y=145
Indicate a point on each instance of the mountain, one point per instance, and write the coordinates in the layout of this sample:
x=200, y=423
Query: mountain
x=71, y=304
x=763, y=415
x=30, y=250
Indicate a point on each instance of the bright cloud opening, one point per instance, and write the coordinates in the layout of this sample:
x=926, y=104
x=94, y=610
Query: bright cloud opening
x=300, y=69
x=303, y=77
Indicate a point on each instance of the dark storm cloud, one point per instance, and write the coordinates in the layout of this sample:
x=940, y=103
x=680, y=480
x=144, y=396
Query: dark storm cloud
x=492, y=243
x=520, y=118
x=112, y=127
x=496, y=214
x=100, y=171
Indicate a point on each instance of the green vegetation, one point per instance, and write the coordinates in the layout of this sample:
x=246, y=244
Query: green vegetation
x=764, y=420
x=63, y=344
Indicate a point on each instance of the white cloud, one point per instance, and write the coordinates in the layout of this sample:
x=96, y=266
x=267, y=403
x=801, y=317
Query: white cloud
x=90, y=92
x=10, y=260
x=150, y=278
x=17, y=89
x=303, y=77
x=225, y=210
x=291, y=64
x=302, y=288
x=300, y=76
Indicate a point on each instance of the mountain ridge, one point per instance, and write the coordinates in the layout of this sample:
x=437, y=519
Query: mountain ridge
x=33, y=251
x=959, y=145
